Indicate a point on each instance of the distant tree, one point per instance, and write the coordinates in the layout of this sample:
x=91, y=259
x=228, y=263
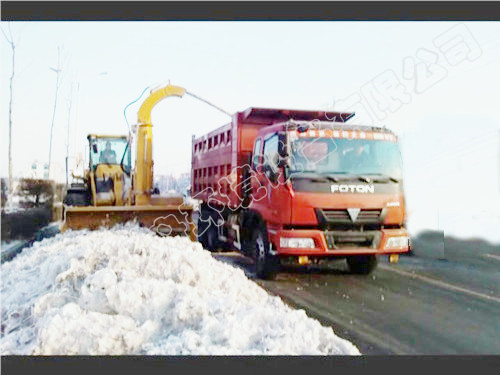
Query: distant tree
x=36, y=193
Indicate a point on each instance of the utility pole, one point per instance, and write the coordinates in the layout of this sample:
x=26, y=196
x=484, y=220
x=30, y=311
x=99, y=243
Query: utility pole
x=10, y=40
x=57, y=70
x=70, y=100
x=75, y=130
x=438, y=217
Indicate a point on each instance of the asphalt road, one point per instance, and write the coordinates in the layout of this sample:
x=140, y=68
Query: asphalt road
x=425, y=304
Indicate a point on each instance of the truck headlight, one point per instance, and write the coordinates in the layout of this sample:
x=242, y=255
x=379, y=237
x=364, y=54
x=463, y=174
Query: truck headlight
x=297, y=243
x=396, y=242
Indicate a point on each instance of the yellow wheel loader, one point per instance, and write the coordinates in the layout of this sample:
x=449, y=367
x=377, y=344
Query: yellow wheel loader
x=113, y=192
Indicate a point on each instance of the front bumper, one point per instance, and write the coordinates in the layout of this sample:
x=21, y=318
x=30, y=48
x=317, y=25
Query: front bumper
x=325, y=244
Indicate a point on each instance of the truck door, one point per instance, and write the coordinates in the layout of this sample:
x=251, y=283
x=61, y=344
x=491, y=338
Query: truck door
x=269, y=196
x=257, y=179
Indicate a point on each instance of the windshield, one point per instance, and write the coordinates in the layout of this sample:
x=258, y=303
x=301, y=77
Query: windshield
x=109, y=151
x=345, y=156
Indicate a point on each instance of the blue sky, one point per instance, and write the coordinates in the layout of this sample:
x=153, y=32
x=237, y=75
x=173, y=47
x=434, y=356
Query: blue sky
x=434, y=83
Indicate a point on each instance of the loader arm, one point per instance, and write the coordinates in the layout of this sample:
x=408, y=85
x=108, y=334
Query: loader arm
x=143, y=177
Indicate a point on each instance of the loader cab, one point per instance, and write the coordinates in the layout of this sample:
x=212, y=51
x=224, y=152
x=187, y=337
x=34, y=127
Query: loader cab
x=110, y=169
x=110, y=150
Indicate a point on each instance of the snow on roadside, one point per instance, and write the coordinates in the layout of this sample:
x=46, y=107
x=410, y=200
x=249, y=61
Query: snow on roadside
x=128, y=291
x=7, y=245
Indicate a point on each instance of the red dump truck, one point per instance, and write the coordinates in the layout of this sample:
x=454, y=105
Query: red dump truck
x=299, y=187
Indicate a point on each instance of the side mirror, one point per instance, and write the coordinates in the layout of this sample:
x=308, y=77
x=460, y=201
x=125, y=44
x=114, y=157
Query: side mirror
x=282, y=145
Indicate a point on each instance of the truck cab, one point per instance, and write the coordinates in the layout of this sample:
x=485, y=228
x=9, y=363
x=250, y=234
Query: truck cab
x=329, y=190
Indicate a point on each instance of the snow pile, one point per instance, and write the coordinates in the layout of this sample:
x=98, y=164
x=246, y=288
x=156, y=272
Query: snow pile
x=7, y=245
x=128, y=291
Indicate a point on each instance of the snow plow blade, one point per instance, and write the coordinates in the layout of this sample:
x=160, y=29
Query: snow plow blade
x=164, y=219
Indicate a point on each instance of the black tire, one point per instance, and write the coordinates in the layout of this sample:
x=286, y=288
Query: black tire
x=362, y=264
x=212, y=238
x=77, y=198
x=208, y=234
x=201, y=232
x=266, y=266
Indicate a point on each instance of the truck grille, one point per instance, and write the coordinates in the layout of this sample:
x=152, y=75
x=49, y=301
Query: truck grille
x=365, y=216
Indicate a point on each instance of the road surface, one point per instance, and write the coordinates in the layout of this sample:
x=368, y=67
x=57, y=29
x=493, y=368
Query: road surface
x=425, y=304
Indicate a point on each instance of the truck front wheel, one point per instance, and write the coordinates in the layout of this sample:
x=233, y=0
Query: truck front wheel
x=362, y=264
x=266, y=266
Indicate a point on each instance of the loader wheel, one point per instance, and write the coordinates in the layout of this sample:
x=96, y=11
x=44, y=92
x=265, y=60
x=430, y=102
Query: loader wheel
x=266, y=266
x=362, y=264
x=77, y=199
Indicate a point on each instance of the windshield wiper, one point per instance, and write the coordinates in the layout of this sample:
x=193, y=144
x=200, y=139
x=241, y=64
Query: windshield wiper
x=352, y=176
x=362, y=177
x=383, y=176
x=342, y=176
x=333, y=176
x=314, y=177
x=365, y=179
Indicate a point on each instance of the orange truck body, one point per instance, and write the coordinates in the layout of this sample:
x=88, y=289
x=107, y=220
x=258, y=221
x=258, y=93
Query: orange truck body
x=343, y=216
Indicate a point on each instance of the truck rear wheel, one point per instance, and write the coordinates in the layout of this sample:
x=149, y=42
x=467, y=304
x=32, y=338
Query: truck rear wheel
x=266, y=266
x=212, y=238
x=362, y=264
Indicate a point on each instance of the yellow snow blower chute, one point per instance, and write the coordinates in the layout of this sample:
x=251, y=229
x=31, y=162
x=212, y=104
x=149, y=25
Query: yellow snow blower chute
x=113, y=192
